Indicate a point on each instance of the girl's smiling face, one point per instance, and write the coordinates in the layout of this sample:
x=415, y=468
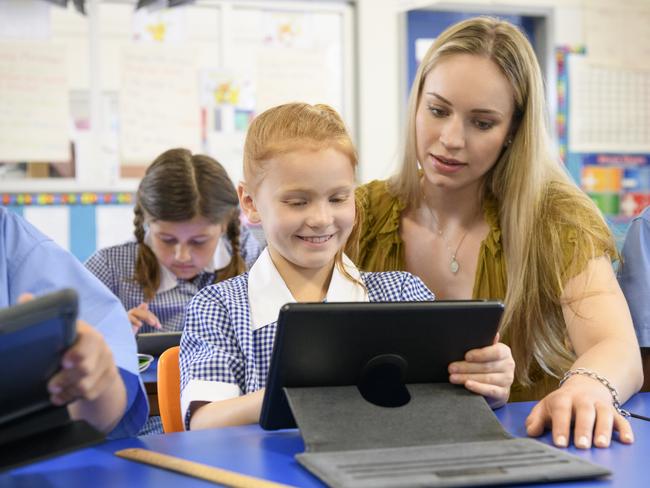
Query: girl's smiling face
x=305, y=203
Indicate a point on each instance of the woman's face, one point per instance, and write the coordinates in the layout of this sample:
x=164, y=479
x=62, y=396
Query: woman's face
x=462, y=121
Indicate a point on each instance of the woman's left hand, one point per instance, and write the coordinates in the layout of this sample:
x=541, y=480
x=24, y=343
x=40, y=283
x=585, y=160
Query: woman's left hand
x=589, y=404
x=488, y=371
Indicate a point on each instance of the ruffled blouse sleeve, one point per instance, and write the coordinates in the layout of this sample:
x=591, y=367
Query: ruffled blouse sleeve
x=490, y=282
x=380, y=246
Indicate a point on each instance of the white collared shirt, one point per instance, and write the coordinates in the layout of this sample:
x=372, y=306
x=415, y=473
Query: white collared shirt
x=267, y=291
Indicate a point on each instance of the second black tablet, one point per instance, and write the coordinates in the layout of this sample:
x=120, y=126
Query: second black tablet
x=155, y=343
x=340, y=344
x=33, y=337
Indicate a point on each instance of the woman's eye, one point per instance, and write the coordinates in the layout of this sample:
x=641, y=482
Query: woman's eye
x=437, y=112
x=484, y=124
x=295, y=203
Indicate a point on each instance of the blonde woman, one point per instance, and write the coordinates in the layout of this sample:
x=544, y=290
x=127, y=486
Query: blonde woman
x=481, y=209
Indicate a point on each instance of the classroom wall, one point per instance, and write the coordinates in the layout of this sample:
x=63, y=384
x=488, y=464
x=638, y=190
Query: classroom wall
x=375, y=72
x=381, y=59
x=190, y=76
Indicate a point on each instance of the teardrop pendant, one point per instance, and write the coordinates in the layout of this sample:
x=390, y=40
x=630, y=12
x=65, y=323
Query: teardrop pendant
x=453, y=266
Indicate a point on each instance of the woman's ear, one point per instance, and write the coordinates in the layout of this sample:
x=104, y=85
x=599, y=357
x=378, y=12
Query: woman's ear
x=247, y=203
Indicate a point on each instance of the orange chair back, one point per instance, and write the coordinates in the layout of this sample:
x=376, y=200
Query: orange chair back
x=169, y=391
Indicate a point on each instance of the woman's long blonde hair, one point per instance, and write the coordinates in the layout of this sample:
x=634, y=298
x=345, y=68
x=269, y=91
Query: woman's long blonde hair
x=298, y=126
x=537, y=201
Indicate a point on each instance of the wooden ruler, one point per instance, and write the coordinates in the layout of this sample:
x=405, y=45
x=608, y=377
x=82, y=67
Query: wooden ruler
x=197, y=470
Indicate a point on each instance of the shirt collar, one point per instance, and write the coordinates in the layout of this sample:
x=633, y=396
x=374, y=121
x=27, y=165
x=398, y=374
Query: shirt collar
x=169, y=281
x=267, y=291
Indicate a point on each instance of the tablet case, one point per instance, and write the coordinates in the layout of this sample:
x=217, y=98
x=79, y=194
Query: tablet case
x=33, y=336
x=444, y=437
x=339, y=344
x=155, y=343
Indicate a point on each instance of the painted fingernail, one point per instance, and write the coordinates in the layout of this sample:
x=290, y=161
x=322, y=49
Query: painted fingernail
x=582, y=442
x=453, y=369
x=55, y=389
x=67, y=364
x=601, y=440
x=560, y=441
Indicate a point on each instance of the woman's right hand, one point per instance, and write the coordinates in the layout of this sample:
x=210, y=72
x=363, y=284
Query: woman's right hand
x=141, y=315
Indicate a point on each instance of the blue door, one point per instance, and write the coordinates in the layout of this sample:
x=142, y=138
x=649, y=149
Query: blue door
x=427, y=24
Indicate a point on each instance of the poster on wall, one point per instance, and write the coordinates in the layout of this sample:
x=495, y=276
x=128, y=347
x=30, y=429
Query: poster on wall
x=608, y=129
x=160, y=25
x=227, y=108
x=295, y=56
x=609, y=108
x=159, y=102
x=34, y=102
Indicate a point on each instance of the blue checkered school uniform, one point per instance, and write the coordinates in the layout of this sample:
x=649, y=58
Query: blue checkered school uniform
x=115, y=267
x=220, y=345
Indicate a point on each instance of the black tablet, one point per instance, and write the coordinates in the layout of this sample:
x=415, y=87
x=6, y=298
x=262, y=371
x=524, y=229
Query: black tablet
x=371, y=345
x=155, y=343
x=33, y=337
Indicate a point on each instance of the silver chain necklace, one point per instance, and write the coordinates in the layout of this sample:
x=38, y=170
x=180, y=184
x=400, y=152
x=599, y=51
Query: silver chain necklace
x=454, y=266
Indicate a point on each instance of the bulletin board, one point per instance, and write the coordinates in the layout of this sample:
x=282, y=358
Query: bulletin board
x=604, y=132
x=191, y=76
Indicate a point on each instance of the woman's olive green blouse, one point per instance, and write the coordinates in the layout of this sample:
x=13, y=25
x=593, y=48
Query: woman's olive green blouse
x=382, y=249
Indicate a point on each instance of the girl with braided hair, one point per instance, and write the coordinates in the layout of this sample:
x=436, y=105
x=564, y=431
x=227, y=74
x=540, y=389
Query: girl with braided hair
x=187, y=236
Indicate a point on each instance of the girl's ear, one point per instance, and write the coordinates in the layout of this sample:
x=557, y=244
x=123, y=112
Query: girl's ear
x=247, y=204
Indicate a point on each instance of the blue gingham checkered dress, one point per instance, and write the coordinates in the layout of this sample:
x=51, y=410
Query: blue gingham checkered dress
x=115, y=267
x=218, y=343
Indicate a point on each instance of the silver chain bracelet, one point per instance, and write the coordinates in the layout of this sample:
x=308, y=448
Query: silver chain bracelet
x=604, y=381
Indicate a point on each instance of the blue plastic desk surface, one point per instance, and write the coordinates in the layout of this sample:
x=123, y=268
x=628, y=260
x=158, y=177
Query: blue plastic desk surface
x=252, y=451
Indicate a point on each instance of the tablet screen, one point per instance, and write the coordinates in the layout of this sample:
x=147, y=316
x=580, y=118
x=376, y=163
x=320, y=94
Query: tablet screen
x=33, y=337
x=342, y=344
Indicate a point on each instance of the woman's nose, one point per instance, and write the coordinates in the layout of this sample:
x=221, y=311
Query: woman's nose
x=453, y=133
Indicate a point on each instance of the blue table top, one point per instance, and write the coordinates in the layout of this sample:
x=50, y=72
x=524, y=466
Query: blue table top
x=270, y=455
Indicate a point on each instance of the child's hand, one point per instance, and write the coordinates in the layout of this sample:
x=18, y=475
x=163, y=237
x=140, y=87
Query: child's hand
x=141, y=315
x=87, y=370
x=488, y=371
x=589, y=404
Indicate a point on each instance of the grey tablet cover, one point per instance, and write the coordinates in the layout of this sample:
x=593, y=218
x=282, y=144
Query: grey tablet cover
x=444, y=437
x=155, y=343
x=335, y=344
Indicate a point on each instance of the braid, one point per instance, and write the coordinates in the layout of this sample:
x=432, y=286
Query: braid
x=147, y=270
x=236, y=266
